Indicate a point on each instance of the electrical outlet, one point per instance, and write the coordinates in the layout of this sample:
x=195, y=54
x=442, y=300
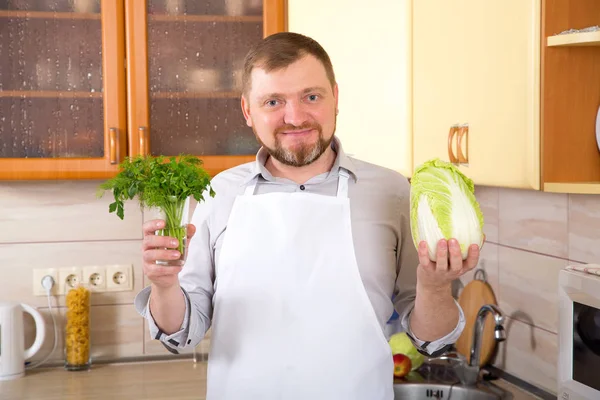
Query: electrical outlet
x=38, y=274
x=119, y=277
x=95, y=278
x=68, y=278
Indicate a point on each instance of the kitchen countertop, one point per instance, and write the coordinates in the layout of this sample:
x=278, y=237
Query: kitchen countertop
x=172, y=379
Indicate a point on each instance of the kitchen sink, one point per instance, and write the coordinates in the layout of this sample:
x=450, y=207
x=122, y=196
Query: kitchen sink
x=441, y=380
x=426, y=390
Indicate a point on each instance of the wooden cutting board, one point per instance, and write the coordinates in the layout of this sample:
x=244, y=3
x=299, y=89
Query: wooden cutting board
x=474, y=295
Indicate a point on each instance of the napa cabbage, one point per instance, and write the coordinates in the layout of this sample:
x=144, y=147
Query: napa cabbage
x=443, y=206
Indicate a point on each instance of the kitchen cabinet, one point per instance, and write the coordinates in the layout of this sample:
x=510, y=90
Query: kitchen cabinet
x=85, y=83
x=570, y=97
x=369, y=47
x=503, y=93
x=476, y=88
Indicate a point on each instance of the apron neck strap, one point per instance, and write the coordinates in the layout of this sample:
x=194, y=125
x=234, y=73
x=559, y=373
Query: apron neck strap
x=342, y=190
x=251, y=187
x=343, y=183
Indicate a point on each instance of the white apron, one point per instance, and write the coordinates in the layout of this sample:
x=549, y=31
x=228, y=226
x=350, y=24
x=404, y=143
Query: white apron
x=292, y=319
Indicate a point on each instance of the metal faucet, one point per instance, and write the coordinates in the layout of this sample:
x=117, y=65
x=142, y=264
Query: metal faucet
x=499, y=333
x=468, y=373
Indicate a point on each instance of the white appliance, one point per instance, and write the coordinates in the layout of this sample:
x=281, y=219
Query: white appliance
x=12, y=338
x=579, y=335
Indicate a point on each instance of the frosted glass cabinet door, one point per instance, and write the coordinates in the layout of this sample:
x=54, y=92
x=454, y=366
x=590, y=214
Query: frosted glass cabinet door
x=185, y=77
x=60, y=91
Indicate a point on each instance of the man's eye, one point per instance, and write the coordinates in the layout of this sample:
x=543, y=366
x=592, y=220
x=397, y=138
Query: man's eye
x=271, y=103
x=313, y=97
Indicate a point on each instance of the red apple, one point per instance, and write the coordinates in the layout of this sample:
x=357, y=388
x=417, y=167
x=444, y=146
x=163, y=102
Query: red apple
x=402, y=365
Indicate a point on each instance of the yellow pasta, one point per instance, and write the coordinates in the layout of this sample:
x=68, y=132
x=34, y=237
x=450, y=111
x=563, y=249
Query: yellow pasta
x=77, y=330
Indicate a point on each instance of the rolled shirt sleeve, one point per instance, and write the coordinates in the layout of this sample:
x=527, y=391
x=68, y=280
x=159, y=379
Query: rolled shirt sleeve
x=437, y=347
x=174, y=341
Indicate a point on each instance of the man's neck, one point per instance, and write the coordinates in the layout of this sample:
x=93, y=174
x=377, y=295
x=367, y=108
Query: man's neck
x=302, y=174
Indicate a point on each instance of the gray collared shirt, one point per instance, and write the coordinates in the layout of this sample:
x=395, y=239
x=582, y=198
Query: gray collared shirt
x=386, y=256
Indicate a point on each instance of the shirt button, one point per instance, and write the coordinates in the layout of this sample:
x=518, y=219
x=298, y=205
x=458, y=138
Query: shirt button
x=302, y=187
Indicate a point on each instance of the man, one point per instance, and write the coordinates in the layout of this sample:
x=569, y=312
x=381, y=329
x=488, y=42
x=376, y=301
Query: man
x=301, y=258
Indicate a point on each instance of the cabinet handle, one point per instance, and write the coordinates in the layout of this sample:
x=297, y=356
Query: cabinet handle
x=451, y=156
x=143, y=141
x=113, y=135
x=463, y=131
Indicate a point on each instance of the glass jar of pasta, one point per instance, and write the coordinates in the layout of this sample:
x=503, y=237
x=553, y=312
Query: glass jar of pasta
x=77, y=329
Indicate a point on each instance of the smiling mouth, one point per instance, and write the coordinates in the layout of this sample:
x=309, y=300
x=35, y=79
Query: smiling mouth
x=301, y=132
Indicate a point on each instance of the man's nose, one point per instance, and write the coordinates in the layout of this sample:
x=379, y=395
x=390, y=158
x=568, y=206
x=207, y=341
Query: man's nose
x=295, y=114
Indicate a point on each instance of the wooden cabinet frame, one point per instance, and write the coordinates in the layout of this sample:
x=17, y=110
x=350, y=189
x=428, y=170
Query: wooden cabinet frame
x=125, y=95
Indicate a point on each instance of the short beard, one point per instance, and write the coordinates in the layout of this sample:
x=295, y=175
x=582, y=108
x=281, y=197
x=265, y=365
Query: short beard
x=304, y=154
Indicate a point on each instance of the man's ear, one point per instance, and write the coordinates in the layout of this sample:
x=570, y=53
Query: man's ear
x=246, y=110
x=335, y=96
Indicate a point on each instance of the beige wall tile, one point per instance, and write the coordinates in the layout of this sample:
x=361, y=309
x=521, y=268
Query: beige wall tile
x=487, y=197
x=17, y=262
x=529, y=287
x=488, y=261
x=529, y=353
x=584, y=228
x=62, y=211
x=116, y=331
x=534, y=221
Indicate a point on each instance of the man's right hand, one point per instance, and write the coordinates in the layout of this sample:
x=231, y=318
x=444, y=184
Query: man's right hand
x=156, y=247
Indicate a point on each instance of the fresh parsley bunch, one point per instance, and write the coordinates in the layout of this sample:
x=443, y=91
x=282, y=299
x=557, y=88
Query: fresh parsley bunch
x=160, y=182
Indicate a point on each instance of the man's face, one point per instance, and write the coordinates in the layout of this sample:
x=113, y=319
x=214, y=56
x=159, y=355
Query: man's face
x=292, y=111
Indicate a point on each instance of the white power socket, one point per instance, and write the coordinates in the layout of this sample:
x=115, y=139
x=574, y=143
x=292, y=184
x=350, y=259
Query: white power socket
x=69, y=278
x=98, y=278
x=38, y=274
x=95, y=278
x=119, y=277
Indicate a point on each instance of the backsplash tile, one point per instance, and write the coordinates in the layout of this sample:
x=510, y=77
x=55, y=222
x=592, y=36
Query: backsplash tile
x=17, y=262
x=116, y=332
x=529, y=353
x=584, y=228
x=62, y=211
x=488, y=262
x=529, y=287
x=534, y=221
x=487, y=197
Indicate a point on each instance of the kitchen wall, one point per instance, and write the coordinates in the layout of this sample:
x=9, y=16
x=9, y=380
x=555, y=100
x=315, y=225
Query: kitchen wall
x=62, y=224
x=530, y=237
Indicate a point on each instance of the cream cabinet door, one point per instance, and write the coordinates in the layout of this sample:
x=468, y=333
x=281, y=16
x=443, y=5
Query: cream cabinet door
x=369, y=46
x=438, y=41
x=495, y=46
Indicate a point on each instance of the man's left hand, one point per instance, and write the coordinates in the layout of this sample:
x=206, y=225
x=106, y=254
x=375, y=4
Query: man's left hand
x=449, y=264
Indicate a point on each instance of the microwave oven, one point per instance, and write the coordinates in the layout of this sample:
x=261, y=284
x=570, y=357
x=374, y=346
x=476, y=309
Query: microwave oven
x=579, y=334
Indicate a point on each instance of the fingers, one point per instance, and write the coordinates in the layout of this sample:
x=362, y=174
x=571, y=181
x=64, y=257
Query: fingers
x=154, y=241
x=472, y=258
x=150, y=256
x=151, y=226
x=423, y=253
x=191, y=230
x=442, y=256
x=456, y=261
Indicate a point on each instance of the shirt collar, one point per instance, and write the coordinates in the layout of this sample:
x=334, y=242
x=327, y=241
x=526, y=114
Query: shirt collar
x=342, y=160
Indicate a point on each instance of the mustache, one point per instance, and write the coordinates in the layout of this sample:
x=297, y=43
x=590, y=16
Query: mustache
x=293, y=128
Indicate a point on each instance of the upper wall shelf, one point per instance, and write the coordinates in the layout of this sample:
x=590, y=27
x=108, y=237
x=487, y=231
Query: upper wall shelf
x=575, y=39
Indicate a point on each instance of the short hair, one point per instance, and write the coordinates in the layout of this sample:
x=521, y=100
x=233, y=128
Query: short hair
x=280, y=50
